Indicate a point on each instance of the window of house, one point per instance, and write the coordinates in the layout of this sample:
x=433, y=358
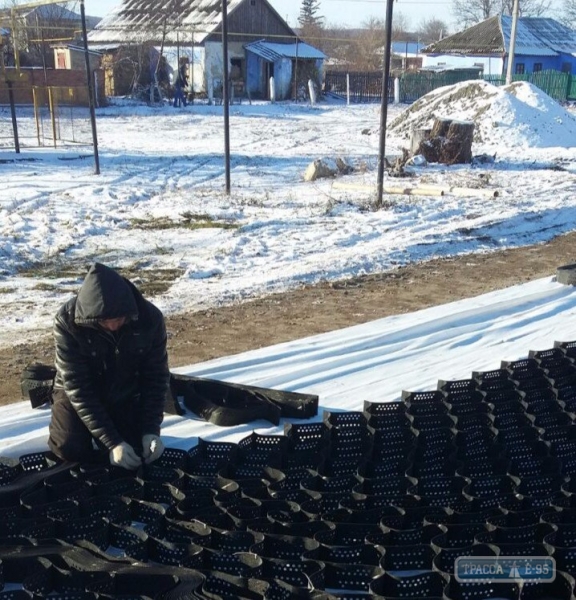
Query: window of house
x=252, y=2
x=537, y=67
x=520, y=68
x=567, y=67
x=61, y=60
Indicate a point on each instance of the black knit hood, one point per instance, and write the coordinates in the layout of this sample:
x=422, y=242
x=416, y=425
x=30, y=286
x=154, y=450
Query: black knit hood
x=104, y=295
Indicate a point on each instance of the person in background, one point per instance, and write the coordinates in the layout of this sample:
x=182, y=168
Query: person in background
x=180, y=85
x=112, y=374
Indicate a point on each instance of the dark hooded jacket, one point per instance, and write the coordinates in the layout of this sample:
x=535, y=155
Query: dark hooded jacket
x=104, y=373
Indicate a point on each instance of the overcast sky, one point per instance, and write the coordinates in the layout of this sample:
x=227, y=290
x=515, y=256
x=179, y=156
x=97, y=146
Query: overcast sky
x=343, y=12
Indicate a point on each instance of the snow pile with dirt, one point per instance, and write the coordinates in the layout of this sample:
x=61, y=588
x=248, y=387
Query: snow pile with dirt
x=519, y=115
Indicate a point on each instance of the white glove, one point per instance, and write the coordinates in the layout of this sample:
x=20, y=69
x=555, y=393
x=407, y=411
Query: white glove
x=123, y=455
x=152, y=447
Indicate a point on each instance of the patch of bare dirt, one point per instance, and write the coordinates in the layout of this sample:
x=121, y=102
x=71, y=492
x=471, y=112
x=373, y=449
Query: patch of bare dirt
x=200, y=336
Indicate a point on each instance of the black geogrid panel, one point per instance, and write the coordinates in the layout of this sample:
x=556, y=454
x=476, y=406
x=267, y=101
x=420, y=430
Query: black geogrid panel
x=377, y=503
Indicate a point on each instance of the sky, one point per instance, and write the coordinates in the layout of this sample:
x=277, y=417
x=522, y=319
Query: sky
x=349, y=13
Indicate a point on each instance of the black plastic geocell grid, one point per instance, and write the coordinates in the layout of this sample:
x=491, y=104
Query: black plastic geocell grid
x=377, y=503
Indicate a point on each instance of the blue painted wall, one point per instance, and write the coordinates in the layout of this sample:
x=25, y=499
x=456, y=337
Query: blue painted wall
x=257, y=81
x=253, y=74
x=567, y=58
x=553, y=63
x=282, y=78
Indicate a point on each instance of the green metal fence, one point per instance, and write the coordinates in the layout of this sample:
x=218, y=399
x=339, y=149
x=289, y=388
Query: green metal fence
x=414, y=85
x=366, y=87
x=560, y=86
x=572, y=90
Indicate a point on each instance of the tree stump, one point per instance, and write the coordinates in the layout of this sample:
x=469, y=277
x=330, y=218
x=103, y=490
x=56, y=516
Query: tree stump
x=417, y=137
x=450, y=142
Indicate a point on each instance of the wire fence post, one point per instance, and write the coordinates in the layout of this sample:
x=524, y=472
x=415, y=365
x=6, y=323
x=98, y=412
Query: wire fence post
x=384, y=109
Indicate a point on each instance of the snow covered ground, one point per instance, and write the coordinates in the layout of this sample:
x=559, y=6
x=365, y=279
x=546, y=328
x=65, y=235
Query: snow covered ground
x=162, y=186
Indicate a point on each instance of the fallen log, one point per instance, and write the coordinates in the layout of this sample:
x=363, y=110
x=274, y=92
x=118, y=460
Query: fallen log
x=408, y=190
x=421, y=190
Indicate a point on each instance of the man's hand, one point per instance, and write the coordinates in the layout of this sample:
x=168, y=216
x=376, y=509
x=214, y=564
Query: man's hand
x=123, y=455
x=152, y=447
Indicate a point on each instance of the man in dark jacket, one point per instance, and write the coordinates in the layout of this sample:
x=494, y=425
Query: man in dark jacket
x=180, y=85
x=112, y=373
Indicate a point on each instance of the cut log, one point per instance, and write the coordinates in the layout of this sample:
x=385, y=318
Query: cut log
x=420, y=189
x=418, y=136
x=440, y=128
x=450, y=142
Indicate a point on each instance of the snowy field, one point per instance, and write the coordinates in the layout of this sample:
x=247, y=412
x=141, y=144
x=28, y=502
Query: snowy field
x=158, y=209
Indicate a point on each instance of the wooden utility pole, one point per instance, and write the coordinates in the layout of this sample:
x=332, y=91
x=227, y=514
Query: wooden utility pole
x=512, y=50
x=384, y=108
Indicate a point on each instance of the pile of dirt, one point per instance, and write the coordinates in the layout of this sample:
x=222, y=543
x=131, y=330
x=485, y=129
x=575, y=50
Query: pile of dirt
x=519, y=115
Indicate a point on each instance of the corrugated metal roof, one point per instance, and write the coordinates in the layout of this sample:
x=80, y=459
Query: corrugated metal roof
x=271, y=51
x=534, y=37
x=529, y=38
x=549, y=32
x=104, y=47
x=407, y=48
x=183, y=21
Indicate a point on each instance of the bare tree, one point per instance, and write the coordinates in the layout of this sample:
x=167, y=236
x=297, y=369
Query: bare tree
x=400, y=26
x=314, y=34
x=139, y=61
x=432, y=30
x=367, y=54
x=470, y=12
x=38, y=28
x=569, y=13
x=528, y=8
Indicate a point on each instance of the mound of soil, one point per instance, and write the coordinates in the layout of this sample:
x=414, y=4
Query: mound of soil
x=519, y=115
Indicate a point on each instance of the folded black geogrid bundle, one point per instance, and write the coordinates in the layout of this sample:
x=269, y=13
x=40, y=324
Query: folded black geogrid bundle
x=378, y=503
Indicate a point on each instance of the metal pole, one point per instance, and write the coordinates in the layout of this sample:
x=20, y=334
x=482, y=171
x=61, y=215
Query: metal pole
x=515, y=14
x=13, y=114
x=295, y=73
x=36, y=112
x=52, y=114
x=225, y=95
x=90, y=90
x=384, y=108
